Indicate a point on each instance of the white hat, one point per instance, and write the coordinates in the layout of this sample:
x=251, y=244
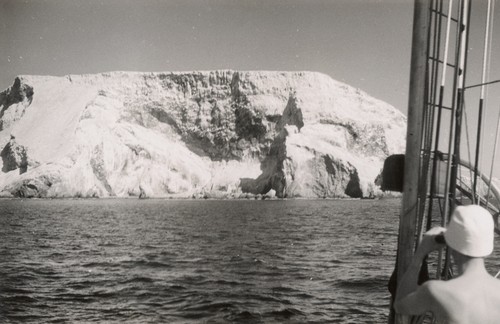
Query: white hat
x=470, y=231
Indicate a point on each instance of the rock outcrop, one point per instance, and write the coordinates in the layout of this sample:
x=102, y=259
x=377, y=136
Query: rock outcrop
x=14, y=157
x=193, y=134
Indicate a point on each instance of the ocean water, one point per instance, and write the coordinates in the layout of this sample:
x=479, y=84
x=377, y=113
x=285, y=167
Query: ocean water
x=192, y=261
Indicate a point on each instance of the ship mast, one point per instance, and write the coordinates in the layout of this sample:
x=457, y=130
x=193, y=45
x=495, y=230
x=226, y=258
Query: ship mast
x=416, y=107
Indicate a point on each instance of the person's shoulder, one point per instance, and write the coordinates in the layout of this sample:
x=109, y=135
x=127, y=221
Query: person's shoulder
x=432, y=286
x=435, y=284
x=438, y=289
x=446, y=296
x=422, y=300
x=494, y=286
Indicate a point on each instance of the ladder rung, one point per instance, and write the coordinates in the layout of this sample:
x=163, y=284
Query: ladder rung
x=444, y=15
x=436, y=196
x=440, y=61
x=434, y=105
x=482, y=84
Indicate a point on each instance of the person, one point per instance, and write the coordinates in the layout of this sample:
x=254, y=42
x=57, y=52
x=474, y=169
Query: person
x=471, y=297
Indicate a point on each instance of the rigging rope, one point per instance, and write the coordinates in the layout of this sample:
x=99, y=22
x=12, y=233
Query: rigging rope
x=493, y=159
x=446, y=44
x=469, y=152
x=461, y=56
x=487, y=48
x=463, y=45
x=488, y=38
x=452, y=122
x=491, y=12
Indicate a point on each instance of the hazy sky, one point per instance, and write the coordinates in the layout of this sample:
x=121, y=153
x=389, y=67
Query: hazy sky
x=363, y=43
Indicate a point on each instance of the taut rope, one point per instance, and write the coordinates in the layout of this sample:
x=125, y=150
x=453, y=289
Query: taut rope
x=488, y=37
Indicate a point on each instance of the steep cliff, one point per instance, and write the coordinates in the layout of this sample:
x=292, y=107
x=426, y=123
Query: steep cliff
x=185, y=134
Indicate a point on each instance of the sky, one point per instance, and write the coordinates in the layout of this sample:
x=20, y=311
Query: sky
x=364, y=43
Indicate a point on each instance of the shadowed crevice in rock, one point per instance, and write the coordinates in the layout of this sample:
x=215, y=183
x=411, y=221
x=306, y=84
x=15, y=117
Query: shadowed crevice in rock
x=353, y=188
x=98, y=167
x=163, y=117
x=249, y=124
x=329, y=165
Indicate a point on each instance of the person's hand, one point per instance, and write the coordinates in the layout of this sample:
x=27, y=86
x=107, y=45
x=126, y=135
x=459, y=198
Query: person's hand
x=428, y=242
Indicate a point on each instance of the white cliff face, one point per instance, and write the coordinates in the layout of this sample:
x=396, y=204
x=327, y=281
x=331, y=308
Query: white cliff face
x=185, y=134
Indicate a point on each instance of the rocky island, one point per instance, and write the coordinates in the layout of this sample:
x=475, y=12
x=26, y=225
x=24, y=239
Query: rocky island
x=193, y=134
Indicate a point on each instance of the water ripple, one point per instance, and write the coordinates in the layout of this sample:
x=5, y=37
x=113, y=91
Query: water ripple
x=175, y=261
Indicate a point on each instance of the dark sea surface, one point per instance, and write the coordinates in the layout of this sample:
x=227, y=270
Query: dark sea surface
x=191, y=261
